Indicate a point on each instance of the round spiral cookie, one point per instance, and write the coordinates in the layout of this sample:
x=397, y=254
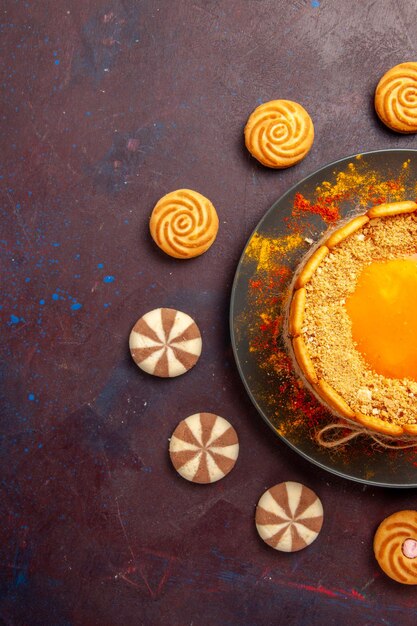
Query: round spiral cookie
x=165, y=343
x=395, y=546
x=279, y=133
x=289, y=517
x=396, y=98
x=184, y=223
x=204, y=448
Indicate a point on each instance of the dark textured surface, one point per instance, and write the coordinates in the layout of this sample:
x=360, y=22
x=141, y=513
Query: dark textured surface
x=106, y=107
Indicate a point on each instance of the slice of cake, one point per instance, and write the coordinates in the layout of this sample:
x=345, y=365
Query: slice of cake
x=352, y=320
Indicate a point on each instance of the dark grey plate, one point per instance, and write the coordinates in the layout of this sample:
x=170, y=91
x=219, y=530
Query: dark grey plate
x=259, y=291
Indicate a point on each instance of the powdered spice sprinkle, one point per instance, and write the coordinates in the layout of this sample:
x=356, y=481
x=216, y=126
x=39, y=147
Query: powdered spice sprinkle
x=263, y=249
x=364, y=185
x=325, y=207
x=297, y=413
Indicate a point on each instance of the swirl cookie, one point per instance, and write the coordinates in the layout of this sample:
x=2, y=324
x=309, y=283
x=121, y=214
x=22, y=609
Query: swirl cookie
x=184, y=224
x=204, y=448
x=395, y=546
x=165, y=343
x=396, y=98
x=289, y=517
x=279, y=133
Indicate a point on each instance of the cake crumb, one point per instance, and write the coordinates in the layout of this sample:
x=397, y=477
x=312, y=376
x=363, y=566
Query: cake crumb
x=364, y=395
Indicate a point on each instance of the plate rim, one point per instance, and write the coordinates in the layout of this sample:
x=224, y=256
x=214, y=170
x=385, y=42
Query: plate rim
x=315, y=462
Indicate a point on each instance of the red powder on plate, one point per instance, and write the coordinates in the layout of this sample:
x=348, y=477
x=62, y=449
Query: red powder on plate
x=325, y=207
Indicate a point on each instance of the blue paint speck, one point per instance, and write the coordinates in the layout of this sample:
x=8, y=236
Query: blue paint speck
x=21, y=577
x=315, y=4
x=108, y=279
x=56, y=61
x=76, y=306
x=55, y=296
x=27, y=280
x=40, y=445
x=14, y=319
x=100, y=266
x=56, y=245
x=88, y=113
x=42, y=302
x=31, y=396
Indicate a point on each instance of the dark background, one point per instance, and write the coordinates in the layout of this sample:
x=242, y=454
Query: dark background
x=106, y=106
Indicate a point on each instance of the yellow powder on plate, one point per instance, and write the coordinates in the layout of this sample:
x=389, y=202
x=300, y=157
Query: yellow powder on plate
x=366, y=184
x=264, y=250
